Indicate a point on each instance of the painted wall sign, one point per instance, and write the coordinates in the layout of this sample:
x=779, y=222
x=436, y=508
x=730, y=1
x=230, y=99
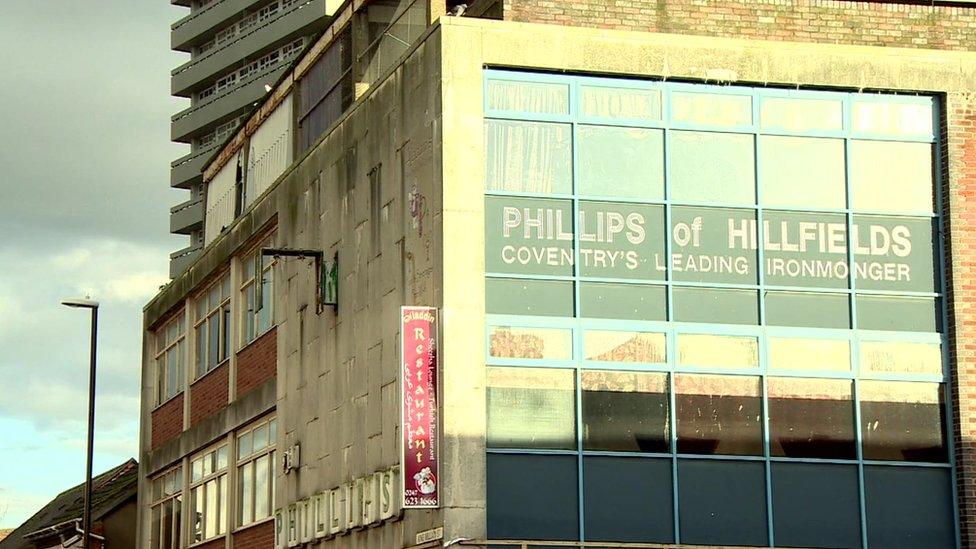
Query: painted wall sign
x=418, y=350
x=713, y=244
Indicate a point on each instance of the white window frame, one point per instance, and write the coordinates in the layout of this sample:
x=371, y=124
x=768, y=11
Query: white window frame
x=250, y=316
x=246, y=510
x=168, y=337
x=165, y=488
x=203, y=475
x=212, y=313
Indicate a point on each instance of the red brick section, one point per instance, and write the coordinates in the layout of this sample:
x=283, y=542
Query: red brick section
x=832, y=21
x=218, y=543
x=166, y=422
x=258, y=362
x=209, y=394
x=255, y=537
x=959, y=205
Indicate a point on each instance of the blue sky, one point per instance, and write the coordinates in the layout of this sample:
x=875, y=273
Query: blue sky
x=84, y=204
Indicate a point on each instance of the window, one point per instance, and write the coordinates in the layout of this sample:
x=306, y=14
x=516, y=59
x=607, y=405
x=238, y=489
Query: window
x=208, y=495
x=257, y=294
x=256, y=472
x=166, y=510
x=714, y=315
x=170, y=357
x=213, y=326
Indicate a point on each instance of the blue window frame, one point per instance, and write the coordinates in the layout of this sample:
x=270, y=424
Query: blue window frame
x=813, y=341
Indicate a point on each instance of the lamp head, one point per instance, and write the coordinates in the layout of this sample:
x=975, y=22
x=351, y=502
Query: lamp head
x=83, y=303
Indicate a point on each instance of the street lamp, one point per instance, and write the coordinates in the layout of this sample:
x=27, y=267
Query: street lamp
x=93, y=305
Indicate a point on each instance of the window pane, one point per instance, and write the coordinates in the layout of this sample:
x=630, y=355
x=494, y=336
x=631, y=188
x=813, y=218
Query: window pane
x=221, y=458
x=718, y=351
x=718, y=415
x=536, y=343
x=621, y=240
x=623, y=301
x=895, y=253
x=625, y=411
x=901, y=357
x=249, y=314
x=155, y=532
x=713, y=245
x=802, y=115
x=888, y=176
x=262, y=498
x=273, y=431
x=909, y=507
x=197, y=472
x=531, y=408
x=201, y=358
x=531, y=157
x=528, y=297
x=176, y=528
x=172, y=371
x=811, y=355
x=213, y=338
x=711, y=109
x=536, y=97
x=712, y=167
x=222, y=494
x=528, y=236
x=628, y=499
x=892, y=118
x=715, y=306
x=808, y=310
x=816, y=505
x=264, y=315
x=722, y=502
x=244, y=446
x=532, y=497
x=903, y=421
x=803, y=172
x=621, y=162
x=811, y=418
x=610, y=346
x=903, y=314
x=626, y=103
x=805, y=249
x=260, y=438
x=210, y=519
x=246, y=493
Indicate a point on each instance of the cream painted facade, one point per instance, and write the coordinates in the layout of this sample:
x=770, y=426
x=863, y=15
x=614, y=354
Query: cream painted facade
x=396, y=189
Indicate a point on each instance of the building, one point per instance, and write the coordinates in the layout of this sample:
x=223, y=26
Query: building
x=701, y=271
x=236, y=47
x=60, y=522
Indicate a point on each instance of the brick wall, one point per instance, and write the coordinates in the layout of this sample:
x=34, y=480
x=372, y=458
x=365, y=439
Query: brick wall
x=831, y=21
x=260, y=536
x=258, y=362
x=166, y=422
x=218, y=543
x=959, y=203
x=209, y=394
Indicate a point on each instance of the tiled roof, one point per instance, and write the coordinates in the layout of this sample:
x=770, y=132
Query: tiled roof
x=109, y=490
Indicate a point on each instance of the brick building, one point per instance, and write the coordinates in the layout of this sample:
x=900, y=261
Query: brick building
x=701, y=271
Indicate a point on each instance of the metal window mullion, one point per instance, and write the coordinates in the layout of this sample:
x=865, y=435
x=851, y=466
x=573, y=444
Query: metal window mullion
x=577, y=331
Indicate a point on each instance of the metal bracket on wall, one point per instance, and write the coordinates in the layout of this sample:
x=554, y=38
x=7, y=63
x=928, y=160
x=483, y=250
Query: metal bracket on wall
x=327, y=287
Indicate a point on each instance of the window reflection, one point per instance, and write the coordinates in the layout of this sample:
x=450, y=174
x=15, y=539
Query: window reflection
x=888, y=176
x=802, y=115
x=621, y=162
x=811, y=418
x=625, y=103
x=712, y=167
x=711, y=109
x=537, y=343
x=811, y=355
x=718, y=415
x=718, y=351
x=607, y=346
x=900, y=357
x=531, y=408
x=537, y=97
x=903, y=421
x=625, y=411
x=532, y=157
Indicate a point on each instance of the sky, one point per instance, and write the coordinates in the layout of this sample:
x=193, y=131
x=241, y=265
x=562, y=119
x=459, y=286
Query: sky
x=84, y=209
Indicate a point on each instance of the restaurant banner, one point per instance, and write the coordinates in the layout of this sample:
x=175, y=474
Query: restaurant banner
x=418, y=393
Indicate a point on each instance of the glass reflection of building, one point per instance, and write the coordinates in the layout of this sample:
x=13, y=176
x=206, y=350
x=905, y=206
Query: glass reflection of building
x=713, y=315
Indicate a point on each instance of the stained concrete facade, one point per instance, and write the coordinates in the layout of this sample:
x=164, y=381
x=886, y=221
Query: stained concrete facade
x=396, y=189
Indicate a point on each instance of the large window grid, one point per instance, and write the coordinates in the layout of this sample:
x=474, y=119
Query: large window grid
x=170, y=357
x=208, y=494
x=849, y=125
x=166, y=510
x=212, y=327
x=256, y=472
x=257, y=315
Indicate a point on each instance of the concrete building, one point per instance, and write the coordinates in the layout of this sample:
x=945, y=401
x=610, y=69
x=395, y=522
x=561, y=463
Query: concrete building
x=236, y=47
x=701, y=270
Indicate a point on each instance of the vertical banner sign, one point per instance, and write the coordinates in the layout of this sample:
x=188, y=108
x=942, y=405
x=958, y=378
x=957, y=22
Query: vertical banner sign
x=418, y=349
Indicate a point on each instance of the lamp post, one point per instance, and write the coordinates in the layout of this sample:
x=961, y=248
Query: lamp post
x=93, y=306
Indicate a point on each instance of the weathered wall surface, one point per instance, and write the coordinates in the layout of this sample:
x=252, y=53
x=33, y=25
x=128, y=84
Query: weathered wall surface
x=338, y=370
x=824, y=21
